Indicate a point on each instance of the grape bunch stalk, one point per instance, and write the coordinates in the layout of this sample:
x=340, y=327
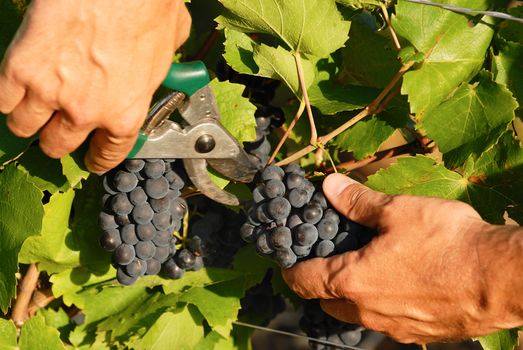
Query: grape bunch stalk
x=290, y=220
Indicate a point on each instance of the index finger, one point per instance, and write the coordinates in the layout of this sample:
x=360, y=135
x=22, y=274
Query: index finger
x=323, y=278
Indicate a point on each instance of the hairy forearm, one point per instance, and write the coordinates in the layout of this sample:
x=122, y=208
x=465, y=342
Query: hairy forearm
x=500, y=253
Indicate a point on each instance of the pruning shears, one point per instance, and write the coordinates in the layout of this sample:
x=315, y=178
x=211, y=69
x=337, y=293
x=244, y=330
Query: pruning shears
x=201, y=139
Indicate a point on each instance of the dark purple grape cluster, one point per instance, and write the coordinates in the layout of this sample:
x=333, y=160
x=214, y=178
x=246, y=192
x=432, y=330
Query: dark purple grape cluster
x=319, y=325
x=267, y=118
x=142, y=209
x=290, y=220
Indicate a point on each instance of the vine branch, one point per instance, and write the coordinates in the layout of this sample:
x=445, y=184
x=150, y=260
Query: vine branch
x=389, y=24
x=27, y=287
x=374, y=107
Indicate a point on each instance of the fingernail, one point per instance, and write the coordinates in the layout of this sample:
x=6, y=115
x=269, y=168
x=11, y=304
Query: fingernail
x=335, y=184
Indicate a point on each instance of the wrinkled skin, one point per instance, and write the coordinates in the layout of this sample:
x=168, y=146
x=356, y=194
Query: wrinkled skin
x=84, y=65
x=432, y=274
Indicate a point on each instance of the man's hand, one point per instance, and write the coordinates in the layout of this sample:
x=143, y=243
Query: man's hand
x=79, y=65
x=433, y=273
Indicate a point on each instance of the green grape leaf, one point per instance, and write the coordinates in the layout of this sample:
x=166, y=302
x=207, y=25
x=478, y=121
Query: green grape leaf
x=7, y=335
x=173, y=330
x=473, y=114
x=44, y=172
x=360, y=4
x=332, y=97
x=50, y=248
x=198, y=279
x=366, y=136
x=440, y=34
x=511, y=30
x=56, y=319
x=370, y=57
x=507, y=68
x=21, y=214
x=503, y=340
x=278, y=63
x=11, y=146
x=73, y=168
x=239, y=52
x=294, y=22
x=35, y=334
x=219, y=303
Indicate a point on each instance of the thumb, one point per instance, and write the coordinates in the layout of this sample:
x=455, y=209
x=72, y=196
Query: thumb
x=354, y=200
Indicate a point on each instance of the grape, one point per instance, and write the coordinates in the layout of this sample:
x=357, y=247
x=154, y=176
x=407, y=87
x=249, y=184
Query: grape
x=294, y=180
x=274, y=188
x=145, y=232
x=247, y=232
x=327, y=229
x=172, y=270
x=106, y=221
x=186, y=259
x=279, y=208
x=128, y=234
x=142, y=214
x=294, y=168
x=122, y=220
x=120, y=204
x=178, y=208
x=134, y=165
x=138, y=196
x=162, y=220
x=301, y=251
x=123, y=278
x=281, y=238
x=312, y=213
x=162, y=254
x=257, y=194
x=262, y=244
x=198, y=263
x=305, y=234
x=136, y=268
x=294, y=220
x=324, y=248
x=161, y=204
x=108, y=187
x=124, y=181
x=110, y=240
x=298, y=197
x=162, y=238
x=286, y=258
x=332, y=215
x=124, y=254
x=154, y=169
x=175, y=181
x=272, y=172
x=156, y=188
x=261, y=213
x=350, y=337
x=145, y=249
x=319, y=198
x=153, y=267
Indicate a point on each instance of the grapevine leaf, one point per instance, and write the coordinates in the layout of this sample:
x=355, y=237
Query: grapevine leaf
x=475, y=113
x=278, y=63
x=366, y=136
x=73, y=168
x=213, y=340
x=294, y=22
x=50, y=249
x=508, y=69
x=440, y=35
x=236, y=112
x=510, y=30
x=7, y=335
x=360, y=4
x=503, y=340
x=173, y=330
x=56, y=319
x=369, y=58
x=332, y=97
x=202, y=278
x=35, y=334
x=239, y=52
x=21, y=214
x=44, y=172
x=10, y=146
x=219, y=304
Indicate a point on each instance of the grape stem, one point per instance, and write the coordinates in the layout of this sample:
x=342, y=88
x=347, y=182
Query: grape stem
x=374, y=107
x=303, y=86
x=391, y=28
x=299, y=113
x=27, y=287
